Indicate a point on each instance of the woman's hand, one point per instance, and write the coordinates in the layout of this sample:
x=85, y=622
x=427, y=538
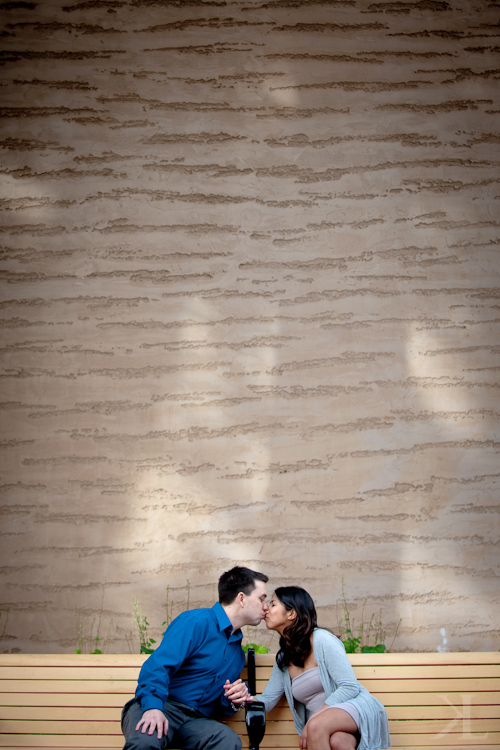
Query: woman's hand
x=236, y=692
x=303, y=739
x=303, y=736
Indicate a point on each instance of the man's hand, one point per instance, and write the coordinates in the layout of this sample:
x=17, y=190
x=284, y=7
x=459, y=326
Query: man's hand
x=152, y=720
x=236, y=692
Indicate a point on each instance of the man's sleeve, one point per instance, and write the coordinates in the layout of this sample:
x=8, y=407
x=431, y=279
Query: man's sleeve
x=180, y=639
x=226, y=707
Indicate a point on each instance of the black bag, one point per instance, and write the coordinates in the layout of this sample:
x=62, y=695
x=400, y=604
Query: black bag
x=255, y=712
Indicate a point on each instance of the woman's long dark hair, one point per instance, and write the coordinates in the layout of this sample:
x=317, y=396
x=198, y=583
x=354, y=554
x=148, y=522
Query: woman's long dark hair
x=295, y=642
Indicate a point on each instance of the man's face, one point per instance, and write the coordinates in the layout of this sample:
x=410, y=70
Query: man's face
x=255, y=604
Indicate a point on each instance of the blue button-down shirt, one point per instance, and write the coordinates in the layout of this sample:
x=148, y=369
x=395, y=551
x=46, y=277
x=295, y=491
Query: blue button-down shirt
x=198, y=653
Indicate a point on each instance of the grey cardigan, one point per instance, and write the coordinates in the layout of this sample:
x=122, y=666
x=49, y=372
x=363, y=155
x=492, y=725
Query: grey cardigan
x=340, y=685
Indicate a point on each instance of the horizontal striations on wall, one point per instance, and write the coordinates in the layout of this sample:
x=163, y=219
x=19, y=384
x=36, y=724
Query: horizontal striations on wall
x=250, y=311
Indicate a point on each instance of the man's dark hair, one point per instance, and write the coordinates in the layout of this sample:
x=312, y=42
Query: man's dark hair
x=238, y=579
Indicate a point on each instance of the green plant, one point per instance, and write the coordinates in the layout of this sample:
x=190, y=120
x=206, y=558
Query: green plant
x=260, y=639
x=365, y=637
x=169, y=608
x=257, y=647
x=85, y=640
x=140, y=638
x=4, y=629
x=146, y=643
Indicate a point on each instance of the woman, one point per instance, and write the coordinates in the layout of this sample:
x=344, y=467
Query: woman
x=331, y=710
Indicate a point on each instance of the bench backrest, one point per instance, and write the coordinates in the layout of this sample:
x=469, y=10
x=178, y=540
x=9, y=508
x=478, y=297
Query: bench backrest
x=74, y=701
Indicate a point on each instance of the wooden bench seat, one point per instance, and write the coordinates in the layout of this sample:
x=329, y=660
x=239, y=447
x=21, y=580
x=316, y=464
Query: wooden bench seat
x=69, y=701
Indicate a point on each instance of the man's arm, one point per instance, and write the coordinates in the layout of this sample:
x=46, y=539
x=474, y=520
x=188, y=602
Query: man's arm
x=175, y=647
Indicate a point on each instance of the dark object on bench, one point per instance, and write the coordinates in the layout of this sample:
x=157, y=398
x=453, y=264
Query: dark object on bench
x=255, y=712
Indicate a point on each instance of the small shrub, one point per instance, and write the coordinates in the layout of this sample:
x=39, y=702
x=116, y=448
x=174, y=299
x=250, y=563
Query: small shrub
x=358, y=637
x=146, y=643
x=88, y=638
x=257, y=647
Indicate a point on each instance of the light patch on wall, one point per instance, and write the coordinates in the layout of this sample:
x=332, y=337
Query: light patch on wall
x=433, y=380
x=284, y=96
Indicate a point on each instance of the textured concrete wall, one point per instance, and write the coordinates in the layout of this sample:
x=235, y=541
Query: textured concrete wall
x=250, y=310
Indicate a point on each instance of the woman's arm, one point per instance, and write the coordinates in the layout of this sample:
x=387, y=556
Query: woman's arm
x=337, y=675
x=274, y=688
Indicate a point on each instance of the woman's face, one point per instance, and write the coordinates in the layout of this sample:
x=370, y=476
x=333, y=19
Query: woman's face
x=277, y=617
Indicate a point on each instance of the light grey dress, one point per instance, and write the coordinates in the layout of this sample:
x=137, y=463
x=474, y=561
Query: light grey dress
x=340, y=685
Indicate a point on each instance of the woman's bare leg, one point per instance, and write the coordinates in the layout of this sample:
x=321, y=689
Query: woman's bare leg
x=332, y=729
x=343, y=741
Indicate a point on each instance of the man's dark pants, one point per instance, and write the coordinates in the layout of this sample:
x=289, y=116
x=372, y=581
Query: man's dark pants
x=187, y=730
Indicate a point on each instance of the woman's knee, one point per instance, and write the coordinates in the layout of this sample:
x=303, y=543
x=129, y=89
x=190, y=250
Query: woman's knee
x=315, y=732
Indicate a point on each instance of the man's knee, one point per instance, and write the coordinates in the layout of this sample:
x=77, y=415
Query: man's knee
x=225, y=739
x=234, y=738
x=208, y=735
x=135, y=739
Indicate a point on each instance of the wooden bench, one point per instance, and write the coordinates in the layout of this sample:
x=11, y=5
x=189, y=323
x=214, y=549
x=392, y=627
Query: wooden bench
x=74, y=701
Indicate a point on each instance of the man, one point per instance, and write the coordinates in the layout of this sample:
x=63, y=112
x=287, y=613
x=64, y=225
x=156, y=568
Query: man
x=193, y=675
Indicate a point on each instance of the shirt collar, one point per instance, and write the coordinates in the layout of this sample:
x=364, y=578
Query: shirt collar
x=224, y=623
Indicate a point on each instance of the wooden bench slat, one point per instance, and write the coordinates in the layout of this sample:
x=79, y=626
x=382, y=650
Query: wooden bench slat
x=74, y=660
x=136, y=660
x=285, y=726
x=367, y=672
x=64, y=699
x=445, y=726
x=126, y=687
x=118, y=699
x=441, y=712
x=94, y=728
x=87, y=727
x=61, y=713
x=74, y=713
x=395, y=683
x=283, y=741
x=59, y=727
x=437, y=686
x=430, y=657
x=68, y=741
x=448, y=740
x=435, y=699
x=427, y=672
x=68, y=673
